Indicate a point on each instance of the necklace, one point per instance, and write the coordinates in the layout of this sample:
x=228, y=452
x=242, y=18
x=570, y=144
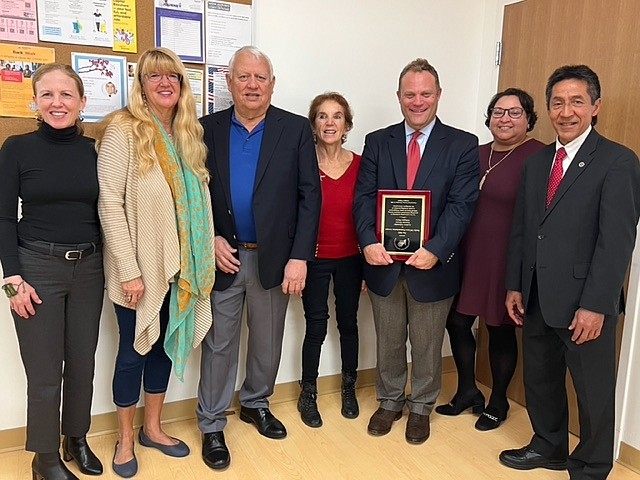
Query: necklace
x=484, y=177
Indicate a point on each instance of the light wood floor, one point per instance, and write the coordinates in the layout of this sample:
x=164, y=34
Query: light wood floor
x=341, y=449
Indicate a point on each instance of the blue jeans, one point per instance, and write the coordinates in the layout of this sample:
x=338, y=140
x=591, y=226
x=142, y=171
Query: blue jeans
x=130, y=365
x=347, y=283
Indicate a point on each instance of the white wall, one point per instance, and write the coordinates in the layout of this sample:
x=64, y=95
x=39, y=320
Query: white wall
x=628, y=388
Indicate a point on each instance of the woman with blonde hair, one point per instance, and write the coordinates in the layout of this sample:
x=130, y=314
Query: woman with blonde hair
x=155, y=211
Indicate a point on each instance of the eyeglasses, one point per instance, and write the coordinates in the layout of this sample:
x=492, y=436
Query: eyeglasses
x=514, y=112
x=157, y=77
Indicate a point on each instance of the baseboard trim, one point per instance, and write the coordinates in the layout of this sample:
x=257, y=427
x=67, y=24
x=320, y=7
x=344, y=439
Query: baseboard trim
x=629, y=457
x=106, y=423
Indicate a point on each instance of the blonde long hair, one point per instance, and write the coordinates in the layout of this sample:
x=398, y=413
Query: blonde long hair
x=188, y=134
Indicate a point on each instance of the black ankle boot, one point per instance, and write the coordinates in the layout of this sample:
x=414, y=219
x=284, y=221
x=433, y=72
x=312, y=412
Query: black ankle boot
x=350, y=407
x=48, y=466
x=77, y=448
x=308, y=406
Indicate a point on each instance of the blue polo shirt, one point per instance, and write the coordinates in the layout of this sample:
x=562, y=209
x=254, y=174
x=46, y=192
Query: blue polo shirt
x=244, y=151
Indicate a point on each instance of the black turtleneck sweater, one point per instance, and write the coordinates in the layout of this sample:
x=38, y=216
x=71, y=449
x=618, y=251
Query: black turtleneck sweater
x=54, y=173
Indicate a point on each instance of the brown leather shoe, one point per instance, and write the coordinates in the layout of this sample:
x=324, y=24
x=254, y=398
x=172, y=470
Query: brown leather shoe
x=418, y=429
x=382, y=420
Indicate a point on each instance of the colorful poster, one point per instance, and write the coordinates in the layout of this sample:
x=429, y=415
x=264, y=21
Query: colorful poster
x=87, y=22
x=218, y=95
x=125, y=36
x=195, y=80
x=17, y=64
x=105, y=84
x=18, y=21
x=180, y=27
x=228, y=29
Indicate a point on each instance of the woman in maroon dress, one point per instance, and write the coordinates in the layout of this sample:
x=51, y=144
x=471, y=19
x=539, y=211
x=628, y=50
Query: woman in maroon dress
x=510, y=116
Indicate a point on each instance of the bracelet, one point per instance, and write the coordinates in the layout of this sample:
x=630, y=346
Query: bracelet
x=11, y=290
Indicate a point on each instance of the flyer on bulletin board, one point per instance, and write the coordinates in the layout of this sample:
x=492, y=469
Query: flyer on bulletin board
x=81, y=23
x=17, y=64
x=125, y=36
x=18, y=21
x=105, y=85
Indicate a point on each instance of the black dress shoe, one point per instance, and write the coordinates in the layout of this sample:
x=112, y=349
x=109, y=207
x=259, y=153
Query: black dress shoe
x=48, y=466
x=214, y=451
x=77, y=448
x=457, y=405
x=265, y=422
x=526, y=458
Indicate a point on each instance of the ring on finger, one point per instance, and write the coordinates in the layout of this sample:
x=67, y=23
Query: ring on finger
x=129, y=298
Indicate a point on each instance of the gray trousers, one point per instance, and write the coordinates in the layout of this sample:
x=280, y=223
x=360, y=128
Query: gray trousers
x=266, y=310
x=58, y=345
x=426, y=324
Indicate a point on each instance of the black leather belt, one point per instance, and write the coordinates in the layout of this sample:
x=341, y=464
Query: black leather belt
x=248, y=245
x=63, y=250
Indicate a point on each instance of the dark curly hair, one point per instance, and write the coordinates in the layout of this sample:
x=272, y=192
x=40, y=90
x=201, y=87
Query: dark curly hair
x=526, y=101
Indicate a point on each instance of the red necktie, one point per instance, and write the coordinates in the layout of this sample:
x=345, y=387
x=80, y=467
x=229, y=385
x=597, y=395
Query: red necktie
x=556, y=175
x=413, y=159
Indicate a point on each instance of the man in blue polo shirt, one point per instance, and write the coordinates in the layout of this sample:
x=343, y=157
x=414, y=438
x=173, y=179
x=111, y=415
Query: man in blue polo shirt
x=265, y=191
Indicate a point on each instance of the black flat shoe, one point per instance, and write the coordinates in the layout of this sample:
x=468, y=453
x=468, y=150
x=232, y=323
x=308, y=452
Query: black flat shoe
x=215, y=453
x=490, y=419
x=77, y=448
x=265, y=422
x=456, y=407
x=48, y=466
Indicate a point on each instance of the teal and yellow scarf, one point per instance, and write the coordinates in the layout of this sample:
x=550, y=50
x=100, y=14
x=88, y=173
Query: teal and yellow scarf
x=197, y=268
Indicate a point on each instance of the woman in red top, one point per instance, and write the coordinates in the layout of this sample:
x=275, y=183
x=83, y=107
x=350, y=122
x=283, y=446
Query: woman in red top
x=337, y=256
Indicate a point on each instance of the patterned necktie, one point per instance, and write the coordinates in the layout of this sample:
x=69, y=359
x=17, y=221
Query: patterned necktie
x=556, y=175
x=413, y=159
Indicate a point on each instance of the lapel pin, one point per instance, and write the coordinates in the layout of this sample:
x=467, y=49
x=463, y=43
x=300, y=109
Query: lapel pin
x=581, y=164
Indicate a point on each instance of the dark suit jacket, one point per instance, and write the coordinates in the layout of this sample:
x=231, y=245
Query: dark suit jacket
x=287, y=195
x=581, y=246
x=450, y=168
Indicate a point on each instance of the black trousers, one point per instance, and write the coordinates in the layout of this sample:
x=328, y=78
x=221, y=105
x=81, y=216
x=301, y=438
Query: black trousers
x=58, y=345
x=347, y=284
x=548, y=352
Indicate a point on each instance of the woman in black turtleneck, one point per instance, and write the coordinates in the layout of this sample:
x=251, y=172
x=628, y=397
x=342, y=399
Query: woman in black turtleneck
x=52, y=265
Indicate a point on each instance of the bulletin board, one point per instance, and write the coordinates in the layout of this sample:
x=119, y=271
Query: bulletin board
x=145, y=29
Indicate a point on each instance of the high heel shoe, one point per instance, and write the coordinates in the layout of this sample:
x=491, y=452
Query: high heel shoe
x=48, y=466
x=77, y=448
x=491, y=419
x=456, y=406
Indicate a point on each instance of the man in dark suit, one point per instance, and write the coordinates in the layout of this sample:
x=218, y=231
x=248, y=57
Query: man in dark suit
x=265, y=191
x=417, y=293
x=574, y=229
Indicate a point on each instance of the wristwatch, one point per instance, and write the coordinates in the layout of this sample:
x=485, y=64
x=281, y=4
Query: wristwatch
x=9, y=290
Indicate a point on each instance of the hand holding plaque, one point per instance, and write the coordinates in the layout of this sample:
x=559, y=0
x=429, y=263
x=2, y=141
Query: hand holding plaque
x=403, y=221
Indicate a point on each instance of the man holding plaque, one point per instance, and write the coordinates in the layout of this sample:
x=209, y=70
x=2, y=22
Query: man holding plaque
x=412, y=283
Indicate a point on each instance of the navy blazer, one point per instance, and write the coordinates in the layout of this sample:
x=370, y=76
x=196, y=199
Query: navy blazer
x=580, y=247
x=286, y=196
x=450, y=169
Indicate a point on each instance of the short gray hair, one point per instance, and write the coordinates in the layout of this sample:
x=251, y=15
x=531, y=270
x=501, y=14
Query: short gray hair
x=256, y=52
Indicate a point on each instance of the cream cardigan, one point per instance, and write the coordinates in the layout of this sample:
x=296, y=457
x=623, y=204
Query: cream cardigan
x=138, y=220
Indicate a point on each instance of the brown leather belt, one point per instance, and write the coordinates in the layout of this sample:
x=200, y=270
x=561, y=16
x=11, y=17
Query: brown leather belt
x=248, y=245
